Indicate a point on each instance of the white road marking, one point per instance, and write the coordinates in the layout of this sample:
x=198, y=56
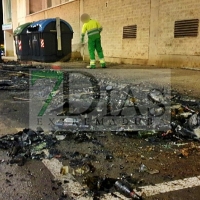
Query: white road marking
x=75, y=189
x=72, y=187
x=170, y=186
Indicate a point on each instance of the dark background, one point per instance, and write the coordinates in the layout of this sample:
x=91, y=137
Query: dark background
x=1, y=22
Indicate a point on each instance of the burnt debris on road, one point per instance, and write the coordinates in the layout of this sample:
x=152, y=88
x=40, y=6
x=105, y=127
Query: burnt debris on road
x=92, y=153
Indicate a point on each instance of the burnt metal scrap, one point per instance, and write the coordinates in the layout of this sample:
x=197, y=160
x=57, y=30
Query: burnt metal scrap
x=97, y=184
x=27, y=144
x=184, y=123
x=185, y=117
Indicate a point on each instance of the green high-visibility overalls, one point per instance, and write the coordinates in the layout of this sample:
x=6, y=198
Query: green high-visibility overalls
x=93, y=29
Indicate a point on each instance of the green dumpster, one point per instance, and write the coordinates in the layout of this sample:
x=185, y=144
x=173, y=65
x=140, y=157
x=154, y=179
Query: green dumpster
x=22, y=42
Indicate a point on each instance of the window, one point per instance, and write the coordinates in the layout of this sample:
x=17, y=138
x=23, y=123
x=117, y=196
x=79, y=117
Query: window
x=35, y=6
x=8, y=15
x=56, y=2
x=186, y=28
x=38, y=5
x=64, y=1
x=130, y=31
x=49, y=3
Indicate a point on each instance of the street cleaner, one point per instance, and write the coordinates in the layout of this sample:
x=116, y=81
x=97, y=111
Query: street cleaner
x=93, y=29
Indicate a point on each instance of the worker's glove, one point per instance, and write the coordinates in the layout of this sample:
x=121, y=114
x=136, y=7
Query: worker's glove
x=100, y=29
x=82, y=38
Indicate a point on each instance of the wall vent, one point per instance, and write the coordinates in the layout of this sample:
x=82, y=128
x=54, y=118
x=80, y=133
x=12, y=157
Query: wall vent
x=186, y=28
x=130, y=31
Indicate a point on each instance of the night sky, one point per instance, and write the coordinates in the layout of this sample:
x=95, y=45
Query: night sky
x=1, y=22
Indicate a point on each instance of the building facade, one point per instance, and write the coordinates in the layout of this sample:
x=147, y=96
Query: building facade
x=146, y=32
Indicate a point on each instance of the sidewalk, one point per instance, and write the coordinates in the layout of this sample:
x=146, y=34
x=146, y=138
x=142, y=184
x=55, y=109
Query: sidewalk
x=9, y=58
x=184, y=80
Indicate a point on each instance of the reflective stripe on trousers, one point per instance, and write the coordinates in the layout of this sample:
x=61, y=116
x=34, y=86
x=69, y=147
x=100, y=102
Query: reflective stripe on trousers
x=92, y=62
x=102, y=60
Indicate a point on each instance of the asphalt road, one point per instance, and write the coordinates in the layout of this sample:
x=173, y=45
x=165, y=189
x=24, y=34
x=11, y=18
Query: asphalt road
x=34, y=181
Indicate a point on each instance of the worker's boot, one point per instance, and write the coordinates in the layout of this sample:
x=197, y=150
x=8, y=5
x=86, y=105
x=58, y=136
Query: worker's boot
x=102, y=62
x=103, y=65
x=91, y=67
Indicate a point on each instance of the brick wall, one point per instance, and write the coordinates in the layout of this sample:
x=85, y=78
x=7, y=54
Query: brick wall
x=55, y=2
x=155, y=43
x=169, y=12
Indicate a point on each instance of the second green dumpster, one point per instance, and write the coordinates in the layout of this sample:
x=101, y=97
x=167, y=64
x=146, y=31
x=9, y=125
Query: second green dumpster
x=22, y=44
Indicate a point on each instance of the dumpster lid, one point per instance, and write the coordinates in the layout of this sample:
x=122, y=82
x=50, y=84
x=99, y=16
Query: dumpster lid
x=20, y=28
x=40, y=25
